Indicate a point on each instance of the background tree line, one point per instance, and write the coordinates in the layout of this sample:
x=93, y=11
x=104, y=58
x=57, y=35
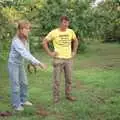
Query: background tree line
x=99, y=23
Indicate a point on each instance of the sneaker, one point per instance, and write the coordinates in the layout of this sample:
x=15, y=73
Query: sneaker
x=71, y=98
x=20, y=108
x=27, y=103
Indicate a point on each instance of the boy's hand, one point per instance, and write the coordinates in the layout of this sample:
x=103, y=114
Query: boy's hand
x=73, y=54
x=53, y=54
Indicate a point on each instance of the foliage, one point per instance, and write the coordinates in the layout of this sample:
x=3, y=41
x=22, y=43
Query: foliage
x=107, y=20
x=47, y=17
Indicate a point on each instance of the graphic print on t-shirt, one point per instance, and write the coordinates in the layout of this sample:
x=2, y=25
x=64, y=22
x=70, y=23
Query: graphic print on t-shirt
x=64, y=40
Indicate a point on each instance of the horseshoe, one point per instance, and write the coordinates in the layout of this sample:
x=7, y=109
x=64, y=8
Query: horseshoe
x=31, y=66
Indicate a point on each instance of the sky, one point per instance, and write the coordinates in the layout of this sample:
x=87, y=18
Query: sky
x=95, y=4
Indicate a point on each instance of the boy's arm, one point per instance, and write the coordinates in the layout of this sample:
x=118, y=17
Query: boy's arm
x=46, y=48
x=74, y=46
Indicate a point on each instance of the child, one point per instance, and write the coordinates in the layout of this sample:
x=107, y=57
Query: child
x=20, y=51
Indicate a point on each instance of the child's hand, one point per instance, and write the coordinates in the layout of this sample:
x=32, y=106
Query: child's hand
x=43, y=66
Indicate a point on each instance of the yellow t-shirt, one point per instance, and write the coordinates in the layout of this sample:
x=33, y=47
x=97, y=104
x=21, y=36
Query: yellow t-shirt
x=62, y=42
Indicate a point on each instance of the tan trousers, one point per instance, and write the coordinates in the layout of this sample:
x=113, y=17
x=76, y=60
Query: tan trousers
x=59, y=66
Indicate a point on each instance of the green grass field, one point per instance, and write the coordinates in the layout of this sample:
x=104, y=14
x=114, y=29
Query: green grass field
x=96, y=84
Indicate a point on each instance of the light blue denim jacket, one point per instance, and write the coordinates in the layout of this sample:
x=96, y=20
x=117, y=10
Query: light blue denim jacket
x=19, y=52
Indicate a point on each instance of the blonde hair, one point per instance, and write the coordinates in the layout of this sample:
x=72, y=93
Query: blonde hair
x=23, y=24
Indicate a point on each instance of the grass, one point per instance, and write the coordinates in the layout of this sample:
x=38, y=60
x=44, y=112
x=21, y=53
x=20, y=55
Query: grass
x=96, y=83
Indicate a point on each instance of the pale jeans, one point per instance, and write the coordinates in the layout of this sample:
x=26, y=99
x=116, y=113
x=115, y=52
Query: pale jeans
x=19, y=83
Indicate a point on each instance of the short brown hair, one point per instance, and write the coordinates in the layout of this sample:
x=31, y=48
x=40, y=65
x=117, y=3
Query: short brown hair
x=64, y=18
x=23, y=24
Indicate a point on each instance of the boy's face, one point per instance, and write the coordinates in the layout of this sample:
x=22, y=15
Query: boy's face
x=64, y=24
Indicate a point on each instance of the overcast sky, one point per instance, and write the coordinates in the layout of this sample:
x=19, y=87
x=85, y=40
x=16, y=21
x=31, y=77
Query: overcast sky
x=95, y=4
